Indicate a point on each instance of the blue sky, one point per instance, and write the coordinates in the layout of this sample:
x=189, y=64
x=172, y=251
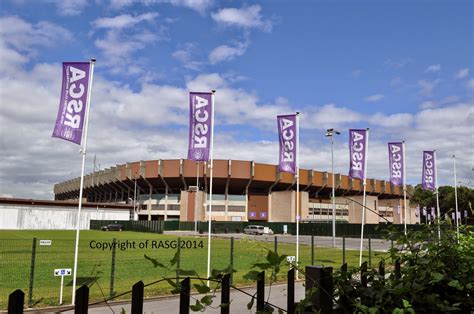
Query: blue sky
x=402, y=68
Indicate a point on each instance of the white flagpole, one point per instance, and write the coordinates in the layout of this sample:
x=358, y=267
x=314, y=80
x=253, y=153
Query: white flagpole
x=456, y=197
x=195, y=198
x=83, y=152
x=297, y=191
x=404, y=191
x=364, y=198
x=437, y=194
x=211, y=166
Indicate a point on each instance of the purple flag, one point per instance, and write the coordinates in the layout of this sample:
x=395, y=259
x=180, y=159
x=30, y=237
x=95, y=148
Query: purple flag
x=200, y=126
x=73, y=102
x=395, y=160
x=398, y=209
x=424, y=211
x=428, y=180
x=417, y=211
x=433, y=212
x=453, y=216
x=357, y=153
x=429, y=217
x=287, y=135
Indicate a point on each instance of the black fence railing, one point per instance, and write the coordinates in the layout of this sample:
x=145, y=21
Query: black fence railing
x=348, y=230
x=375, y=231
x=321, y=300
x=154, y=226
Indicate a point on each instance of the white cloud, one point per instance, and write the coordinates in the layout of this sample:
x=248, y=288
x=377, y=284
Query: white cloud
x=19, y=40
x=186, y=56
x=120, y=4
x=433, y=68
x=124, y=20
x=391, y=121
x=398, y=63
x=328, y=116
x=375, y=98
x=125, y=35
x=428, y=104
x=470, y=84
x=427, y=87
x=437, y=103
x=246, y=17
x=151, y=123
x=462, y=73
x=198, y=5
x=70, y=7
x=23, y=36
x=227, y=53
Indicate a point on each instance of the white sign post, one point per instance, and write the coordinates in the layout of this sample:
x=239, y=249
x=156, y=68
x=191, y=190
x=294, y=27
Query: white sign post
x=62, y=272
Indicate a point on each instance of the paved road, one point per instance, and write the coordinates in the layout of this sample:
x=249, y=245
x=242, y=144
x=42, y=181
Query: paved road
x=351, y=243
x=239, y=302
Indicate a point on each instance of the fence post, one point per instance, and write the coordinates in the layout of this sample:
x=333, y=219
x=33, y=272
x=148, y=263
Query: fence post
x=320, y=278
x=391, y=248
x=82, y=300
x=231, y=259
x=344, y=301
x=290, y=297
x=382, y=271
x=137, y=298
x=16, y=300
x=32, y=273
x=312, y=249
x=112, y=269
x=398, y=272
x=261, y=292
x=344, y=268
x=225, y=294
x=276, y=244
x=343, y=250
x=363, y=274
x=184, y=296
x=370, y=252
x=178, y=262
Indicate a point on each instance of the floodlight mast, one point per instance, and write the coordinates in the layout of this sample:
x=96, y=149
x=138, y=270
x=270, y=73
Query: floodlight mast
x=330, y=133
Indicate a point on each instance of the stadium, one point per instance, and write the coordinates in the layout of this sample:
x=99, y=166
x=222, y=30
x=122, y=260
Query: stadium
x=176, y=189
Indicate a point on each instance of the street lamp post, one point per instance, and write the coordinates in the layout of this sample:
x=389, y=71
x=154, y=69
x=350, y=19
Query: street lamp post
x=135, y=199
x=330, y=133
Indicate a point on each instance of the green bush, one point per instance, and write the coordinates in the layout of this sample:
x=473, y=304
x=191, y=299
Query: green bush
x=437, y=276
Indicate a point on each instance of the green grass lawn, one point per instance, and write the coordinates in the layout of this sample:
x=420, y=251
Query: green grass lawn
x=130, y=264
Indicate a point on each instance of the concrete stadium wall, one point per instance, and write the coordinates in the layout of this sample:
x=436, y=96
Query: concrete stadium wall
x=54, y=217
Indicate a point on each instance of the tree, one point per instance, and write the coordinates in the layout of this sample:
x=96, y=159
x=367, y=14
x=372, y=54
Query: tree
x=426, y=198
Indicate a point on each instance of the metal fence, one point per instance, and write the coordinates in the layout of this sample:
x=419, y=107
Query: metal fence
x=375, y=231
x=154, y=226
x=320, y=299
x=110, y=266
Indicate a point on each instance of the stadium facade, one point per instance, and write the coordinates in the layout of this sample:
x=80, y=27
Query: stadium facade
x=242, y=191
